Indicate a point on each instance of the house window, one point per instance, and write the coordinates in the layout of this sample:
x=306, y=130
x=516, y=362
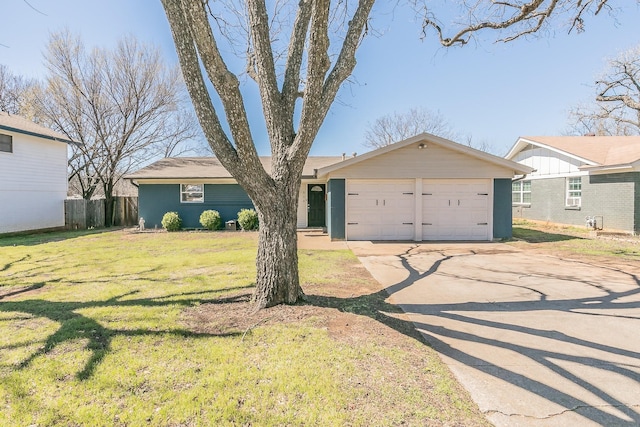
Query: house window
x=6, y=143
x=574, y=192
x=192, y=193
x=521, y=192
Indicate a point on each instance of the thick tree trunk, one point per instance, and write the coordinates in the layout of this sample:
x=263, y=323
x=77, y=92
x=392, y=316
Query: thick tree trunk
x=109, y=204
x=108, y=211
x=277, y=279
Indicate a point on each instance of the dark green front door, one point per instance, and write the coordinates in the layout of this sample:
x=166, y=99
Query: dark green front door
x=315, y=207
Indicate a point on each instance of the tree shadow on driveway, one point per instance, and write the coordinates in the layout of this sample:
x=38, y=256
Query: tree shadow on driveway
x=553, y=365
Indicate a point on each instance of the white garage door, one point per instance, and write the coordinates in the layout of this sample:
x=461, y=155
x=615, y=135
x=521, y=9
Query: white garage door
x=456, y=209
x=380, y=209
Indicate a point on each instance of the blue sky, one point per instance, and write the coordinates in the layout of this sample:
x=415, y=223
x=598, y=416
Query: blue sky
x=494, y=92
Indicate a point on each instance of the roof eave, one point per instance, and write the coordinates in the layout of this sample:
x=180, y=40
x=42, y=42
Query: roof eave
x=523, y=141
x=619, y=168
x=173, y=178
x=40, y=135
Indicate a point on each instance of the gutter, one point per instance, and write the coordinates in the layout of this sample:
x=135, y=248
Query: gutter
x=40, y=135
x=519, y=179
x=607, y=168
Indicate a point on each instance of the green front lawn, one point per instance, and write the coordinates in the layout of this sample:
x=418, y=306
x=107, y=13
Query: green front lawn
x=116, y=328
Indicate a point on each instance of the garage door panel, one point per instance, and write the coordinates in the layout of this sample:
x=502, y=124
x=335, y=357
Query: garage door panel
x=380, y=210
x=397, y=232
x=455, y=210
x=479, y=216
x=363, y=216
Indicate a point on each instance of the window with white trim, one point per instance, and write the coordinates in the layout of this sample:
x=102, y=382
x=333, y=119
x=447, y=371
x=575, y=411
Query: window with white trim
x=521, y=192
x=192, y=193
x=6, y=143
x=574, y=192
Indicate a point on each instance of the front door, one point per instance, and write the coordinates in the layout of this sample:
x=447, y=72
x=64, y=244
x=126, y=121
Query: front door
x=316, y=205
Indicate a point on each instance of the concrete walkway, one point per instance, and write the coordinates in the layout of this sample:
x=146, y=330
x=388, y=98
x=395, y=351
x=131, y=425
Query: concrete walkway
x=537, y=340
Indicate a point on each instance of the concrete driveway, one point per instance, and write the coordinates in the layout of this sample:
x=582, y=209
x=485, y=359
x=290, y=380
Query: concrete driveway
x=537, y=340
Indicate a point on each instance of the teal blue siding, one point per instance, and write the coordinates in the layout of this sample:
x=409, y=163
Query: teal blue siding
x=336, y=208
x=502, y=214
x=154, y=200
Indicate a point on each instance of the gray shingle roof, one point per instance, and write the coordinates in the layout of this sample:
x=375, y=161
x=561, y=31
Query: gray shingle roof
x=210, y=167
x=13, y=123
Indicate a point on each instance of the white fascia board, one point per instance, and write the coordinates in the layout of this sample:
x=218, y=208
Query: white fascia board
x=517, y=147
x=523, y=142
x=593, y=170
x=184, y=180
x=555, y=175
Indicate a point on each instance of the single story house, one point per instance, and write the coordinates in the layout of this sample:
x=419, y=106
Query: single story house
x=422, y=188
x=33, y=175
x=579, y=180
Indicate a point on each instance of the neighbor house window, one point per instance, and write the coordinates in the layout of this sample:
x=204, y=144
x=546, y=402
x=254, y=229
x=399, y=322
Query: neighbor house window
x=192, y=193
x=574, y=192
x=6, y=143
x=521, y=192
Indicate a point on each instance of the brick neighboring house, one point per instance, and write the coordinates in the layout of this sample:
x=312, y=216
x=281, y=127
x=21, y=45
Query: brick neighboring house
x=577, y=178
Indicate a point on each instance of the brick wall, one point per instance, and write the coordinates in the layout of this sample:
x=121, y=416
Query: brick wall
x=612, y=196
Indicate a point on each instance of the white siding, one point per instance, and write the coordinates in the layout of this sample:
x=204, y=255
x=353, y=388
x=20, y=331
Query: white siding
x=302, y=206
x=430, y=162
x=33, y=184
x=547, y=162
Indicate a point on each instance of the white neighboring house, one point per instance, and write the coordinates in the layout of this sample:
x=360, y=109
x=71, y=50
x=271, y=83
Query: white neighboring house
x=33, y=175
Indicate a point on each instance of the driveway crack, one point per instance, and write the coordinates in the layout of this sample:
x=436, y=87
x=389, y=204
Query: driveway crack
x=557, y=414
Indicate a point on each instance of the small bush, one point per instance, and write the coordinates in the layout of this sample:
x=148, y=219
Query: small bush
x=171, y=221
x=248, y=219
x=210, y=220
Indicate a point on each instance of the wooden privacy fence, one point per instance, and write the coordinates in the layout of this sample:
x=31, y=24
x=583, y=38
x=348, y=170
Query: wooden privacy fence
x=125, y=211
x=80, y=214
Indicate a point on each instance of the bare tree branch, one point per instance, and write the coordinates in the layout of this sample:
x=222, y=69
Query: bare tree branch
x=190, y=26
x=521, y=17
x=14, y=91
x=616, y=110
x=265, y=71
x=292, y=78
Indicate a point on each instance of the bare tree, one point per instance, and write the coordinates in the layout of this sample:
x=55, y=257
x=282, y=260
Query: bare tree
x=123, y=106
x=603, y=120
x=13, y=91
x=396, y=127
x=297, y=87
x=616, y=110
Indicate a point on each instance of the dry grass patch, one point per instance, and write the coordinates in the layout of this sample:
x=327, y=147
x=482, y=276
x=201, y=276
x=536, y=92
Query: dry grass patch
x=566, y=240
